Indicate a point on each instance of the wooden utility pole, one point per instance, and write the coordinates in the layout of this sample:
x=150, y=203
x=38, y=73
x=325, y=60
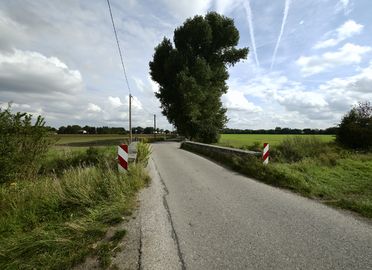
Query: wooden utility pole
x=130, y=118
x=154, y=125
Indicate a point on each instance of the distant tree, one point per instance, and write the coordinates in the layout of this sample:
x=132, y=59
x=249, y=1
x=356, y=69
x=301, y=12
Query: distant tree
x=148, y=130
x=278, y=130
x=355, y=129
x=137, y=130
x=90, y=130
x=192, y=74
x=331, y=130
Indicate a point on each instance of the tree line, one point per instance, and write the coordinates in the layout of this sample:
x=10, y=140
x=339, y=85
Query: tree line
x=76, y=129
x=279, y=130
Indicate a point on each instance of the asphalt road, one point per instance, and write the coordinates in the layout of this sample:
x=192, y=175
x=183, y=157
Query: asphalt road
x=222, y=220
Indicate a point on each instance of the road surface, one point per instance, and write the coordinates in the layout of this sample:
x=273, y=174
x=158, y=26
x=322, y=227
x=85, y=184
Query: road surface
x=222, y=220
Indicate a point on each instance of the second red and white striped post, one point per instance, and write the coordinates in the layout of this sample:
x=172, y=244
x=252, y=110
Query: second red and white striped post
x=265, y=154
x=123, y=158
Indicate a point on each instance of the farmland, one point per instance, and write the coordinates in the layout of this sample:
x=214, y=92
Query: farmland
x=239, y=140
x=87, y=140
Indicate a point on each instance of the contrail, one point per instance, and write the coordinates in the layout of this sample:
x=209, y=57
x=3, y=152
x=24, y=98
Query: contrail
x=247, y=7
x=285, y=15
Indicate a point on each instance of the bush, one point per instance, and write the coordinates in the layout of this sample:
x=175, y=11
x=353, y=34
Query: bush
x=293, y=149
x=355, y=130
x=22, y=145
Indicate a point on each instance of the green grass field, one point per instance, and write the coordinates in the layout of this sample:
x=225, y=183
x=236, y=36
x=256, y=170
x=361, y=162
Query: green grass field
x=77, y=138
x=87, y=140
x=239, y=140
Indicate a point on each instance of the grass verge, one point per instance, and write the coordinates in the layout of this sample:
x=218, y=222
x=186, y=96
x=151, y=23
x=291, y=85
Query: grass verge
x=53, y=222
x=329, y=174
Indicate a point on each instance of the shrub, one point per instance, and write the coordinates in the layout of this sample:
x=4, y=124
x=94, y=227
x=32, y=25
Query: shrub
x=22, y=145
x=293, y=149
x=355, y=129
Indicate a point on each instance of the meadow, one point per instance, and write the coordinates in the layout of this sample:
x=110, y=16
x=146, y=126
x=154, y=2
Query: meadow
x=240, y=140
x=87, y=140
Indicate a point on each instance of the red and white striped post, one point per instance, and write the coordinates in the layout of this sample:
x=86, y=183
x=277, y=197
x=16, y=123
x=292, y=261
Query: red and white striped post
x=265, y=154
x=123, y=158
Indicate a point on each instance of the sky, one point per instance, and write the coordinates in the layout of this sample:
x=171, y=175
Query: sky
x=309, y=62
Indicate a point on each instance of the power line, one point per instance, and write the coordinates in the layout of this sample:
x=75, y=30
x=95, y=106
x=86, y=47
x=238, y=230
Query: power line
x=122, y=64
x=117, y=42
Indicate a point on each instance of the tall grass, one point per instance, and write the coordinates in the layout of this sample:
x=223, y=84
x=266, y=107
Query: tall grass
x=52, y=223
x=143, y=152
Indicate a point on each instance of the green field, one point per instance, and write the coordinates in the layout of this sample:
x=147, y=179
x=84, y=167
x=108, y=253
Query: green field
x=76, y=138
x=86, y=140
x=239, y=140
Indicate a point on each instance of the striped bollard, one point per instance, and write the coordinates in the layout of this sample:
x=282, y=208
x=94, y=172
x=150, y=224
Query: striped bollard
x=265, y=154
x=123, y=157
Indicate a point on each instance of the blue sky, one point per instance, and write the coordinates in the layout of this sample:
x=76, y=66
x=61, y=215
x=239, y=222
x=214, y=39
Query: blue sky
x=309, y=61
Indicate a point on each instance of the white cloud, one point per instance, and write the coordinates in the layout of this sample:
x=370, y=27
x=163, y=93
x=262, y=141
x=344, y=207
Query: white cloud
x=31, y=72
x=115, y=102
x=235, y=100
x=136, y=103
x=346, y=55
x=357, y=85
x=93, y=108
x=347, y=30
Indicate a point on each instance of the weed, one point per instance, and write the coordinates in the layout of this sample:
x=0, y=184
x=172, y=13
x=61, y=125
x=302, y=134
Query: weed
x=143, y=152
x=52, y=223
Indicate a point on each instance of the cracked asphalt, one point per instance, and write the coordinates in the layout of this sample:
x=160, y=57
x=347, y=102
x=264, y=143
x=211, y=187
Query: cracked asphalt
x=199, y=215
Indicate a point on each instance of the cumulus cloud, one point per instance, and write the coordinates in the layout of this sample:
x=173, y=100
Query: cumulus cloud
x=347, y=30
x=31, y=72
x=115, y=102
x=356, y=85
x=346, y=55
x=236, y=101
x=93, y=108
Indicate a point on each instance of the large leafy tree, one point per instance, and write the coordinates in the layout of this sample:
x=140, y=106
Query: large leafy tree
x=192, y=74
